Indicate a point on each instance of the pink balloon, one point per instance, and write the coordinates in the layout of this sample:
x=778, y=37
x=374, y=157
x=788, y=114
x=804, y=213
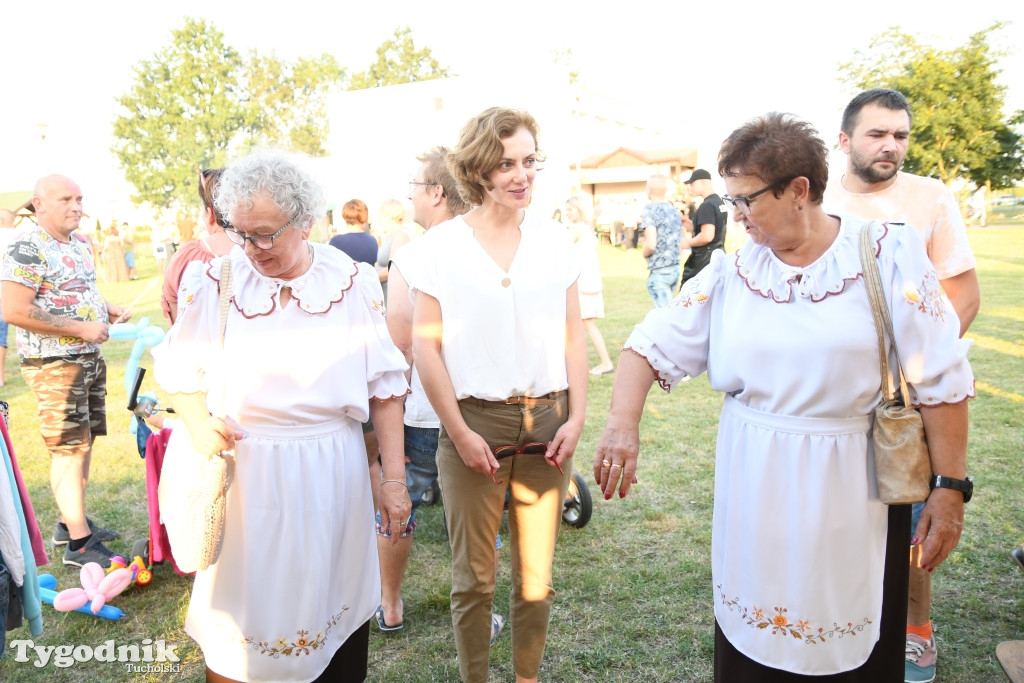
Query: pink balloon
x=98, y=588
x=70, y=600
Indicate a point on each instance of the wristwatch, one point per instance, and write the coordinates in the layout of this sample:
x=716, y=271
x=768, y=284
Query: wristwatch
x=964, y=486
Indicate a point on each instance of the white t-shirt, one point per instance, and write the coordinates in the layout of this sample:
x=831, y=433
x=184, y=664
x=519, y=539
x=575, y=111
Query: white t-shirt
x=924, y=203
x=418, y=411
x=504, y=332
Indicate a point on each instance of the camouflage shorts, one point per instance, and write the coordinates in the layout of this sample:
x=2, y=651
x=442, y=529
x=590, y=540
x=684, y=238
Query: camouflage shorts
x=71, y=392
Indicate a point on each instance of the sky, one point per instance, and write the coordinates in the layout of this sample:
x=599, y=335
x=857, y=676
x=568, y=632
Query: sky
x=701, y=70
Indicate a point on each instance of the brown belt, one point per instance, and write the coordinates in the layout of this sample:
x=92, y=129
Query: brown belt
x=545, y=400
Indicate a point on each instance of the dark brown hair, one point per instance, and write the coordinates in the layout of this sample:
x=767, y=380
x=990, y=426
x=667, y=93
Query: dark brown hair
x=208, y=181
x=777, y=148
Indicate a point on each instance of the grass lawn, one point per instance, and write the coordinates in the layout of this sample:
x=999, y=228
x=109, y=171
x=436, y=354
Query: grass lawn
x=634, y=598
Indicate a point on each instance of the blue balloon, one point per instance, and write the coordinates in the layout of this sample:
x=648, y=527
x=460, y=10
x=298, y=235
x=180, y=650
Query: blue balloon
x=145, y=335
x=47, y=584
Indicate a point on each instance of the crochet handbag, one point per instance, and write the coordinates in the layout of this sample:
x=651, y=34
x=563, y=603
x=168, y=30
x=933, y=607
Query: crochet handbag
x=902, y=464
x=193, y=486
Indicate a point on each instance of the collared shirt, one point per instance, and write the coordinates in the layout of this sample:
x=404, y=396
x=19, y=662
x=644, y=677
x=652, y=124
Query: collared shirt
x=666, y=220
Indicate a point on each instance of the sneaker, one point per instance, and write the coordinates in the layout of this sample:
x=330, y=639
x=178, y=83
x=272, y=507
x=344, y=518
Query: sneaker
x=61, y=536
x=1018, y=554
x=92, y=551
x=920, y=664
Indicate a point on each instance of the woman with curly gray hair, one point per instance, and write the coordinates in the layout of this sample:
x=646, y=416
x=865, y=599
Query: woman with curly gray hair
x=299, y=509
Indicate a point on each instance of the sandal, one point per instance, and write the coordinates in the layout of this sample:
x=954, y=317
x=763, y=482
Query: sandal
x=383, y=625
x=497, y=623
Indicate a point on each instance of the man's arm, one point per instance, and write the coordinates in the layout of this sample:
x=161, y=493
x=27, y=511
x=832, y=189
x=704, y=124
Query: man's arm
x=19, y=309
x=650, y=240
x=706, y=234
x=399, y=317
x=964, y=294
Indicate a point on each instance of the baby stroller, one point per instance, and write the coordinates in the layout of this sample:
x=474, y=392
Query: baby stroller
x=155, y=549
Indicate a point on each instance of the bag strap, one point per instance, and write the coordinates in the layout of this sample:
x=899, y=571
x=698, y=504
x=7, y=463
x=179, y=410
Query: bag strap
x=225, y=298
x=225, y=301
x=880, y=311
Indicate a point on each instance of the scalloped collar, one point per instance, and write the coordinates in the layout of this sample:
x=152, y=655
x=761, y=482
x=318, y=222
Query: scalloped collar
x=765, y=274
x=314, y=292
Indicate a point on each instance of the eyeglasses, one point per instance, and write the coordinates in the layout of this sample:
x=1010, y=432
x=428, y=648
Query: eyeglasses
x=414, y=183
x=262, y=242
x=532, y=448
x=743, y=203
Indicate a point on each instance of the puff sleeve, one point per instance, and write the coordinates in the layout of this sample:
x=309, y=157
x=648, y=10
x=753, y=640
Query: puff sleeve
x=675, y=340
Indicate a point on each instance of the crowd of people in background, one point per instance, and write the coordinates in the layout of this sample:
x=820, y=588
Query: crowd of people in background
x=467, y=319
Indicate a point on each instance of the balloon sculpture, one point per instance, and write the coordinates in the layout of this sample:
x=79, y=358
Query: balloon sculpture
x=96, y=589
x=145, y=335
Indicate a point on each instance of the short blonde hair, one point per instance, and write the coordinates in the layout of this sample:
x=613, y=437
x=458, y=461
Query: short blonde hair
x=391, y=212
x=583, y=205
x=480, y=148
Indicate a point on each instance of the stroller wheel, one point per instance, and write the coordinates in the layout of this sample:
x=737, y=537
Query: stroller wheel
x=141, y=549
x=578, y=507
x=432, y=494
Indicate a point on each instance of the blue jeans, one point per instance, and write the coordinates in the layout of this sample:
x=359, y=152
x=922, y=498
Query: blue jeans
x=6, y=583
x=420, y=471
x=915, y=517
x=661, y=284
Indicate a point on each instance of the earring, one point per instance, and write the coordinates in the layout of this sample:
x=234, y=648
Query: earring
x=800, y=208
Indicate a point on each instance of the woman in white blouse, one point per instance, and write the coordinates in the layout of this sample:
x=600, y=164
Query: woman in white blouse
x=306, y=358
x=501, y=351
x=809, y=567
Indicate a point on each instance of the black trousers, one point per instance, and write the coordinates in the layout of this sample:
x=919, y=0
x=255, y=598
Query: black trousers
x=349, y=663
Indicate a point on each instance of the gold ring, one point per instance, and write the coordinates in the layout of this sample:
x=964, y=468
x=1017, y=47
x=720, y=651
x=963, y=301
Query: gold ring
x=616, y=465
x=605, y=464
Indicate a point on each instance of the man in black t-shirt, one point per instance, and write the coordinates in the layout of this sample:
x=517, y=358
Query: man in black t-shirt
x=708, y=225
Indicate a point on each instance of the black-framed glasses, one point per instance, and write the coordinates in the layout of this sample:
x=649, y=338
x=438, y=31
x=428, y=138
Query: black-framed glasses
x=743, y=203
x=262, y=242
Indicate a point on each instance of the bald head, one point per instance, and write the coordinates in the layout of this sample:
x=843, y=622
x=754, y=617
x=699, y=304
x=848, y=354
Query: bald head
x=6, y=218
x=57, y=201
x=657, y=188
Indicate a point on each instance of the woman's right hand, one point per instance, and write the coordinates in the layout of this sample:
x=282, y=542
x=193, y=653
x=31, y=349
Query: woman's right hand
x=616, y=458
x=213, y=436
x=476, y=454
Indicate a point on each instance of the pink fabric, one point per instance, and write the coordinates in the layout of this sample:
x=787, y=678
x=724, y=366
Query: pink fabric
x=159, y=546
x=186, y=254
x=34, y=537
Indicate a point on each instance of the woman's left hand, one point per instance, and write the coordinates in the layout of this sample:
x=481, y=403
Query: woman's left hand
x=939, y=529
x=563, y=446
x=395, y=508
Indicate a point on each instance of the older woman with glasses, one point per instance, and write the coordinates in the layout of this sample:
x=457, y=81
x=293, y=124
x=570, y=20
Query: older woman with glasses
x=306, y=358
x=500, y=349
x=809, y=567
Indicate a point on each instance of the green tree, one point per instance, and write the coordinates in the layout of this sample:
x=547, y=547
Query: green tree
x=288, y=101
x=959, y=127
x=398, y=61
x=180, y=115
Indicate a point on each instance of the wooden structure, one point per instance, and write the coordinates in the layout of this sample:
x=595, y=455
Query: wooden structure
x=617, y=182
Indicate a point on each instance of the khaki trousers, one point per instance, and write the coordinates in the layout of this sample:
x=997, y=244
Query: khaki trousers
x=473, y=506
